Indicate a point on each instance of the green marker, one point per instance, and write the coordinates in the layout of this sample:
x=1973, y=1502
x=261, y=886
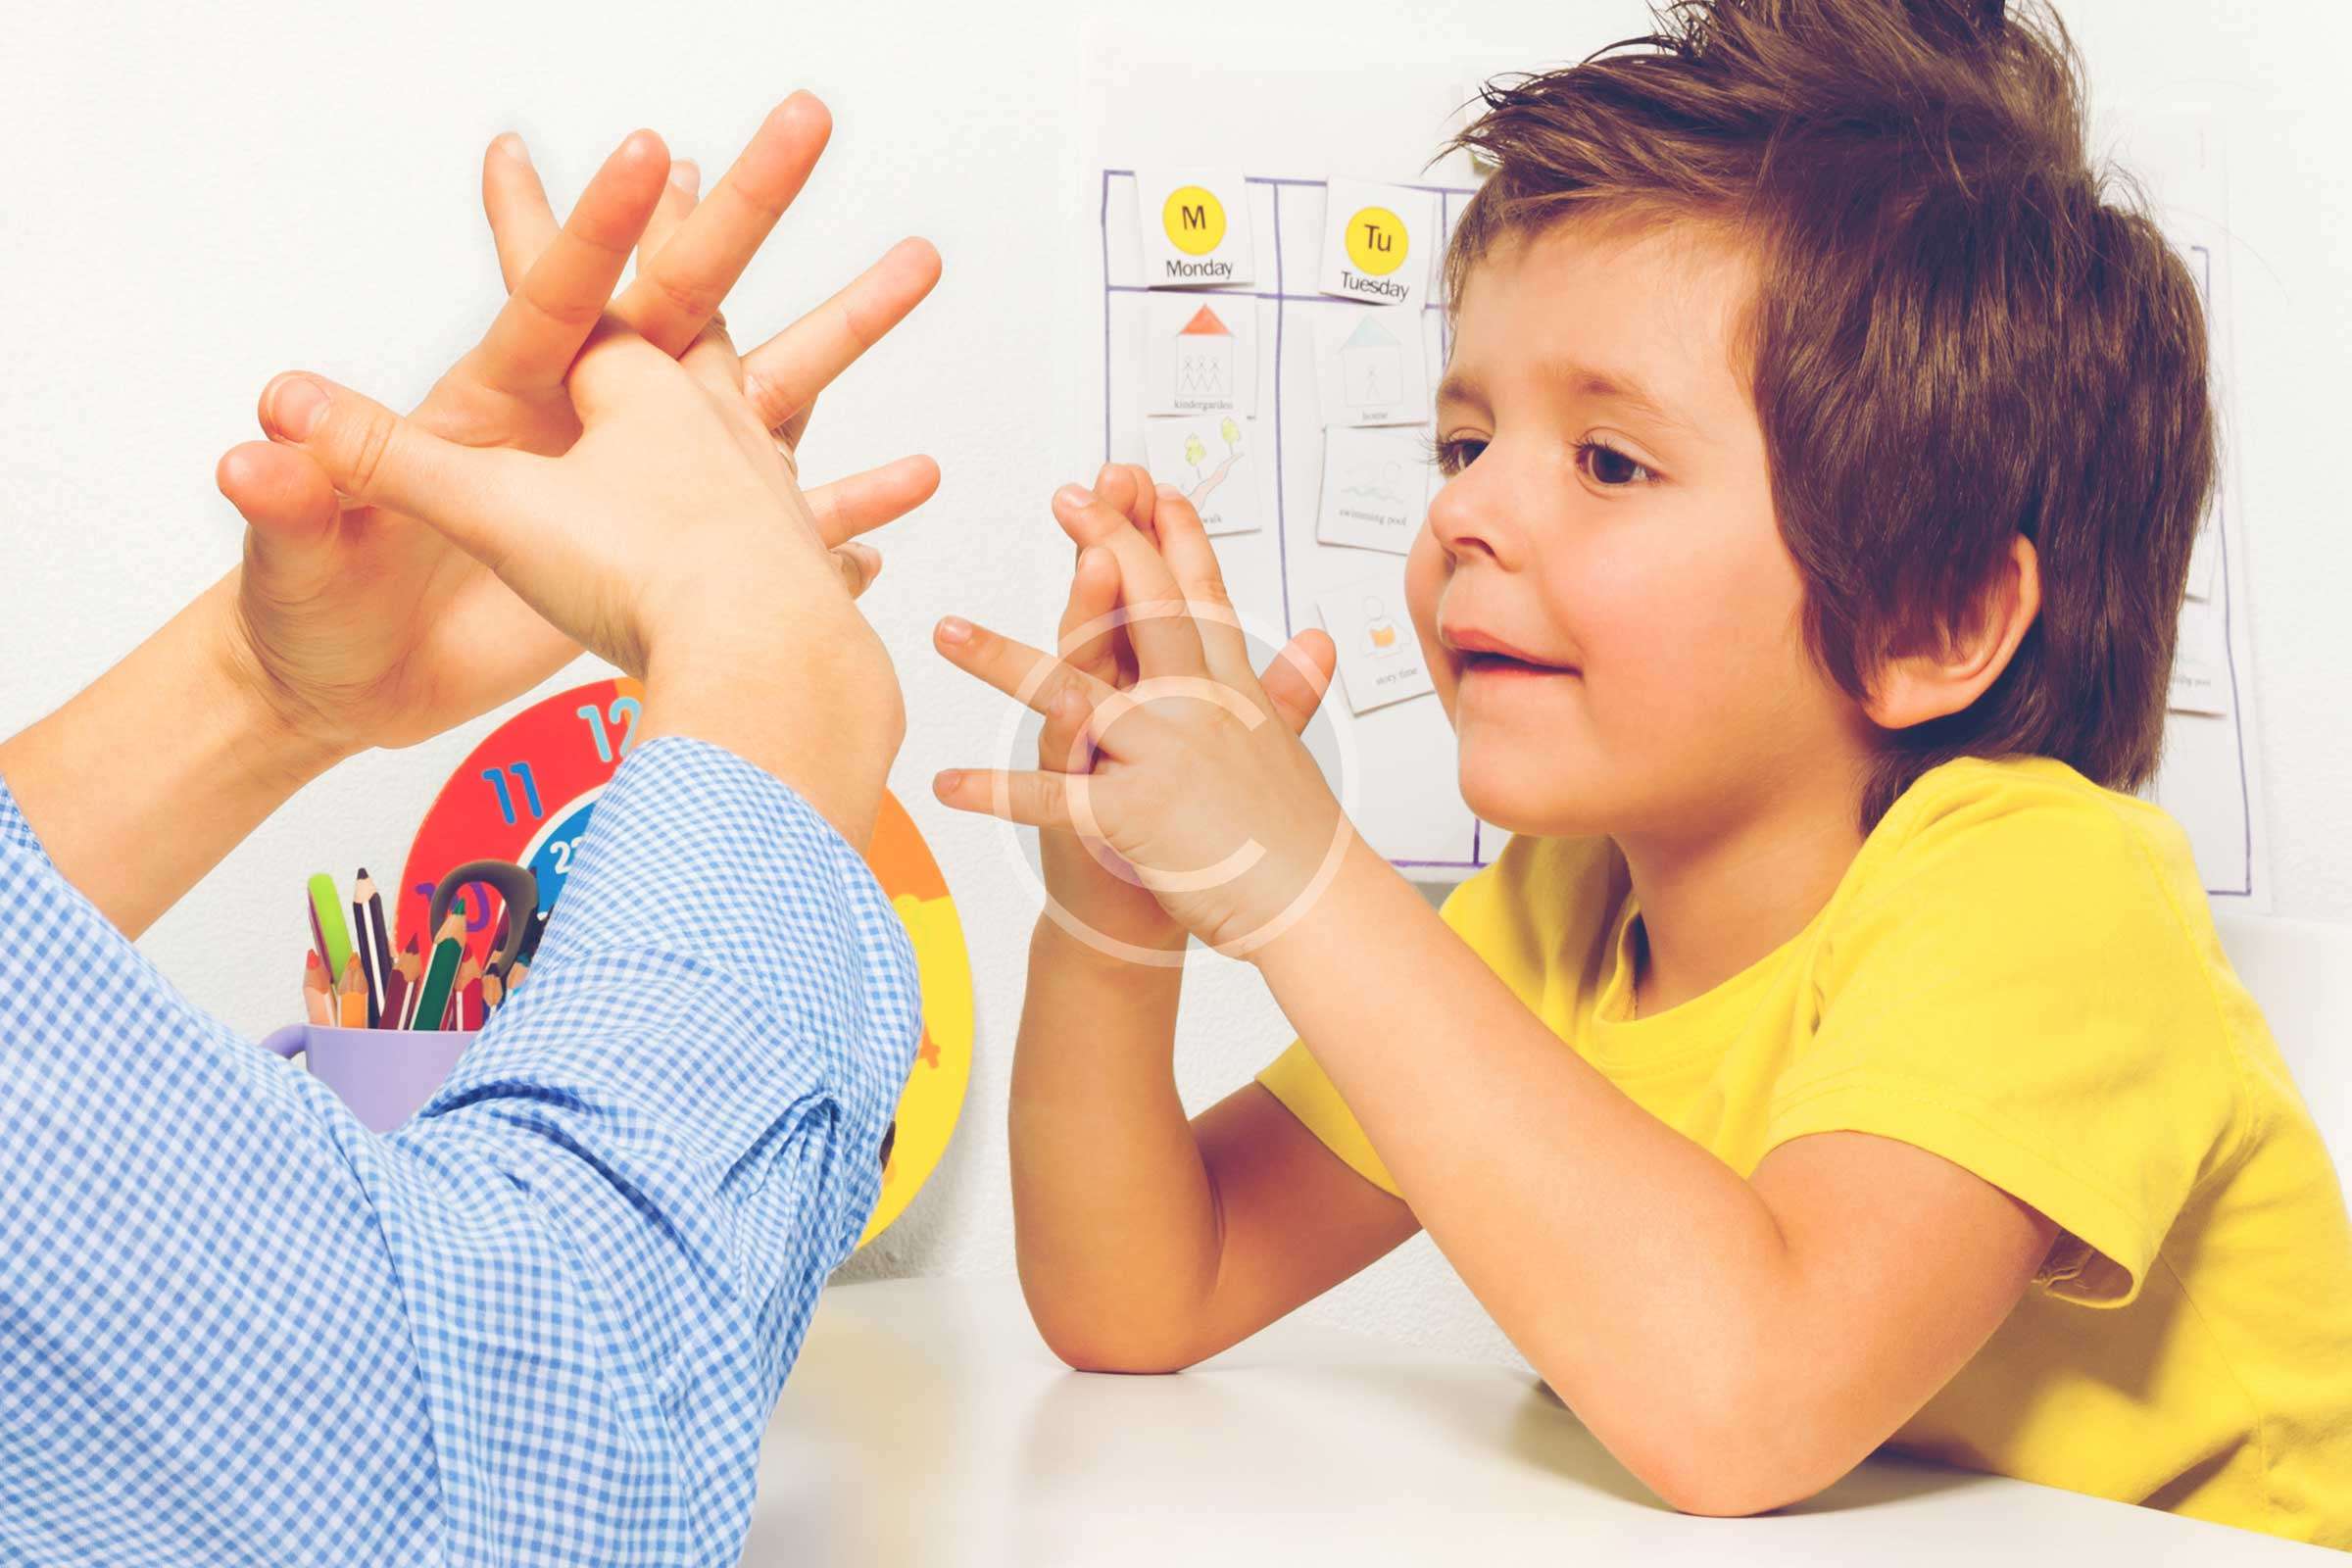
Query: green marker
x=434, y=999
x=326, y=908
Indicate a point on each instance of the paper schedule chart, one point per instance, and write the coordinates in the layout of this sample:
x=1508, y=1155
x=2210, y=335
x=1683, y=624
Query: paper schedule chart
x=1309, y=533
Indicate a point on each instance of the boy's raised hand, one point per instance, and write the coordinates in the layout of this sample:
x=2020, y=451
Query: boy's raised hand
x=363, y=626
x=1194, y=775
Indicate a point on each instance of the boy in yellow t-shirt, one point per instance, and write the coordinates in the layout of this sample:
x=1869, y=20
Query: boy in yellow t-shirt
x=1834, y=1055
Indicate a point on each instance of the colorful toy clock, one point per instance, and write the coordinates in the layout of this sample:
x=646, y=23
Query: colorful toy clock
x=525, y=795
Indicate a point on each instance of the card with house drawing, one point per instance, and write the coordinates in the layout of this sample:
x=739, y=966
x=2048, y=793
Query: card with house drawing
x=1380, y=658
x=1372, y=365
x=1198, y=355
x=1375, y=487
x=1215, y=460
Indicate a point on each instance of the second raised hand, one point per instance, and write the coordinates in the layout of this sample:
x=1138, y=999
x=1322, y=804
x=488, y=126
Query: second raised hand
x=1194, y=776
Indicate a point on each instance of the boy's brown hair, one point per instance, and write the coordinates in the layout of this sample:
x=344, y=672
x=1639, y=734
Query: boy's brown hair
x=1957, y=337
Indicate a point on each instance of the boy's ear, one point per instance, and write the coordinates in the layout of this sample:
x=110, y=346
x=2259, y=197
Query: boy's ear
x=1914, y=688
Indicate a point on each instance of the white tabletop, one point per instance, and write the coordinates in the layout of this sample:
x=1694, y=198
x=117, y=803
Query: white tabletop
x=927, y=1424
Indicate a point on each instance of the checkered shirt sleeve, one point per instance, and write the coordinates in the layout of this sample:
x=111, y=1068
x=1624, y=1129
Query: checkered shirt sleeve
x=542, y=1322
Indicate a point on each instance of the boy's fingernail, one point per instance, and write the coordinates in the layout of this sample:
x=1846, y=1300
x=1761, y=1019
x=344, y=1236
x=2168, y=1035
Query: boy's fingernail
x=946, y=780
x=1168, y=492
x=1073, y=495
x=511, y=145
x=686, y=175
x=296, y=406
x=954, y=629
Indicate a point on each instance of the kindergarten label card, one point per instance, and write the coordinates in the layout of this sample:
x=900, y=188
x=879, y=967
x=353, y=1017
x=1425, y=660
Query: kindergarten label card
x=1371, y=365
x=1198, y=354
x=1375, y=488
x=1380, y=658
x=1195, y=228
x=1213, y=458
x=1377, y=242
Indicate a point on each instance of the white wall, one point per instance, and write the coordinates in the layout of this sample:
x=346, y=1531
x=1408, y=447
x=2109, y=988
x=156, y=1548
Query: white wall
x=200, y=197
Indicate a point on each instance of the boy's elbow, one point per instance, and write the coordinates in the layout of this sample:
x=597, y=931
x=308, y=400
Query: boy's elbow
x=1084, y=1351
x=1728, y=1492
x=1738, y=1459
x=1095, y=1341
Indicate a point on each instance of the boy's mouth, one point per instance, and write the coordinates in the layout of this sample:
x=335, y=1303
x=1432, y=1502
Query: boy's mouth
x=1483, y=653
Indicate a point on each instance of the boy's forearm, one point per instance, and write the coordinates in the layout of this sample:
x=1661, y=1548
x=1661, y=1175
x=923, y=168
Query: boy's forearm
x=145, y=779
x=1636, y=1270
x=1115, y=1217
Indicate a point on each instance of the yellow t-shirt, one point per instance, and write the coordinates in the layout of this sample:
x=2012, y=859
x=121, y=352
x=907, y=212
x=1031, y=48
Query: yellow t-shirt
x=2017, y=973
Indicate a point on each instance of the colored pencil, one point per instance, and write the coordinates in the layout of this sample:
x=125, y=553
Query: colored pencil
x=411, y=974
x=334, y=936
x=310, y=909
x=313, y=989
x=353, y=1012
x=432, y=1003
x=470, y=992
x=396, y=997
x=494, y=992
x=516, y=973
x=375, y=938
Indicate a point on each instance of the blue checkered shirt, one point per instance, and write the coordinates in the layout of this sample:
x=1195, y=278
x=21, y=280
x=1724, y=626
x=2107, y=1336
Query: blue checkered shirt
x=545, y=1321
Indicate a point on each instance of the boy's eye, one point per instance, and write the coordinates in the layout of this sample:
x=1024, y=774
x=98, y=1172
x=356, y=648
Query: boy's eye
x=1611, y=467
x=1454, y=454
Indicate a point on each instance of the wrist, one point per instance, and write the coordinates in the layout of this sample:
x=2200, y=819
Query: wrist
x=274, y=738
x=1055, y=943
x=823, y=713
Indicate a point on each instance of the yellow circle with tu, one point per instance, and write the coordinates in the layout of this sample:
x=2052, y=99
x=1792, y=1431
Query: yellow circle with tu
x=1376, y=241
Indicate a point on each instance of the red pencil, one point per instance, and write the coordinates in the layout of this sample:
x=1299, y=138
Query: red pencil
x=469, y=991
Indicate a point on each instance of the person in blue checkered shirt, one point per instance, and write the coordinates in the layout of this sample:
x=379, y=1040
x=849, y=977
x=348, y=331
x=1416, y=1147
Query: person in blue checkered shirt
x=546, y=1320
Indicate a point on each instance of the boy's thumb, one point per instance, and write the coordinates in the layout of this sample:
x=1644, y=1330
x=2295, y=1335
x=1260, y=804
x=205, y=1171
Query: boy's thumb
x=374, y=455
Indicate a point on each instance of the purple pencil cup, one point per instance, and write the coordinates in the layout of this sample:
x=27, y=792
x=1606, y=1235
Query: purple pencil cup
x=382, y=1074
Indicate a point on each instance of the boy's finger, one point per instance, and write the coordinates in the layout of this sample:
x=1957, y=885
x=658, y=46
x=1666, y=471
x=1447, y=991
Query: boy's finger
x=521, y=223
x=1184, y=542
x=1128, y=487
x=669, y=300
x=539, y=331
x=1297, y=677
x=1038, y=681
x=1166, y=642
x=784, y=375
x=1086, y=641
x=473, y=495
x=1089, y=634
x=1035, y=799
x=866, y=501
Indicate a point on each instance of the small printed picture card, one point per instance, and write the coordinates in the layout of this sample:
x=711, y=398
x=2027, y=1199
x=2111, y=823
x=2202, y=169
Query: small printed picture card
x=1380, y=658
x=1372, y=365
x=1215, y=460
x=1198, y=354
x=1377, y=242
x=2200, y=683
x=1375, y=487
x=1196, y=229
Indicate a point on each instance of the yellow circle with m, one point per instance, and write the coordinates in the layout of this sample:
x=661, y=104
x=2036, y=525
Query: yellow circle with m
x=1376, y=241
x=1195, y=219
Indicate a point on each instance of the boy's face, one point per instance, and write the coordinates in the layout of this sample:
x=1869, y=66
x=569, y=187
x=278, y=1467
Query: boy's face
x=1608, y=612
